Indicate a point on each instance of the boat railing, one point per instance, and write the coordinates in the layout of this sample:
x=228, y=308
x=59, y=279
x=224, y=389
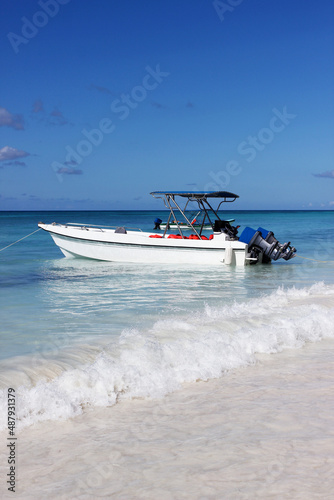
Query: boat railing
x=101, y=227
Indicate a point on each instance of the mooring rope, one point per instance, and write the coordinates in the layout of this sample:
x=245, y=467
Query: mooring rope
x=20, y=239
x=316, y=260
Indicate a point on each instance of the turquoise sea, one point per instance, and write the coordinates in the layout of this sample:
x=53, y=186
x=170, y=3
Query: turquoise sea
x=80, y=336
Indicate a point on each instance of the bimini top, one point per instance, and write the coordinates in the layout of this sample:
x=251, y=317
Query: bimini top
x=197, y=194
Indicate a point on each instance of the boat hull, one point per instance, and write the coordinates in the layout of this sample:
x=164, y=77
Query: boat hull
x=140, y=247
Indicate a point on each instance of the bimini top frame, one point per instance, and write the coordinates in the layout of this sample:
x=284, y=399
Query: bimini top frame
x=195, y=195
x=201, y=197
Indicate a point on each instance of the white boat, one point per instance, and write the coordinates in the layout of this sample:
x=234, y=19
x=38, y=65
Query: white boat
x=221, y=246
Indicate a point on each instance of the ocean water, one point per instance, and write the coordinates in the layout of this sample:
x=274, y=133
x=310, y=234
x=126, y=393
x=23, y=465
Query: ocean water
x=146, y=381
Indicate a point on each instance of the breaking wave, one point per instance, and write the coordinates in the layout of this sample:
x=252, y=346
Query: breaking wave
x=175, y=350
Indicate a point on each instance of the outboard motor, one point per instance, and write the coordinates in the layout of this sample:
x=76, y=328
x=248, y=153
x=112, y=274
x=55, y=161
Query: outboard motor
x=287, y=252
x=157, y=223
x=264, y=241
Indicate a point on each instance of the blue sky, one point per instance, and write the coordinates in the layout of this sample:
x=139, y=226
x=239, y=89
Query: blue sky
x=102, y=102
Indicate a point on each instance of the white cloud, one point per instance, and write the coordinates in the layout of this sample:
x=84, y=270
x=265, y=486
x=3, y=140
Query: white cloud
x=103, y=90
x=8, y=153
x=57, y=117
x=69, y=171
x=38, y=106
x=329, y=174
x=7, y=119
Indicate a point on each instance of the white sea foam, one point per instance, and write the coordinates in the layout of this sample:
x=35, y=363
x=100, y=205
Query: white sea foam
x=202, y=346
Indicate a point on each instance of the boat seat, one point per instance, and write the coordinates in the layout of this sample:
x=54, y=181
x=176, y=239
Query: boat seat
x=155, y=236
x=120, y=230
x=211, y=237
